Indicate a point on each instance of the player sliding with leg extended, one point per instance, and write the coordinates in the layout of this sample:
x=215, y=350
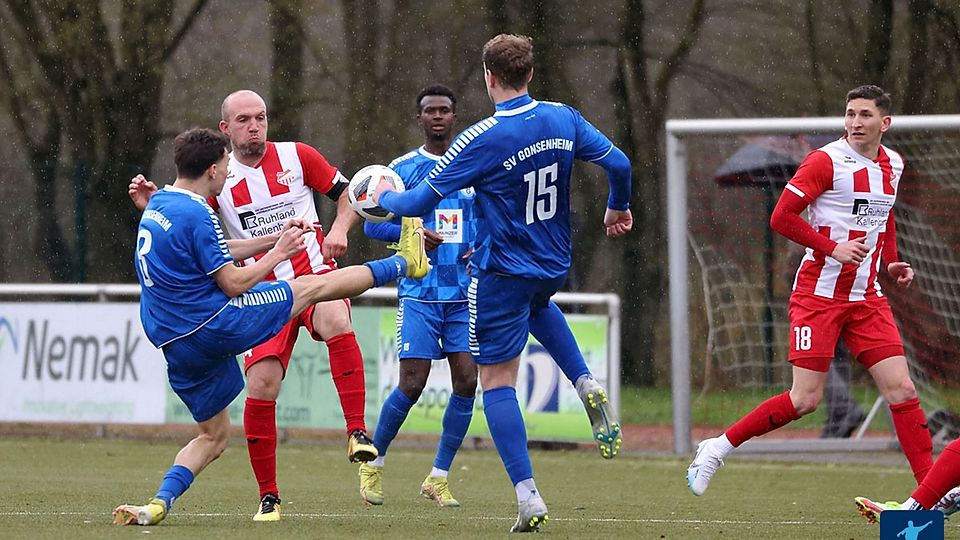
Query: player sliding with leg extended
x=432, y=314
x=850, y=186
x=203, y=311
x=519, y=162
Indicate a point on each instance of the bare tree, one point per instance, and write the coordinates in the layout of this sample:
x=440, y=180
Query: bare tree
x=643, y=95
x=287, y=37
x=82, y=94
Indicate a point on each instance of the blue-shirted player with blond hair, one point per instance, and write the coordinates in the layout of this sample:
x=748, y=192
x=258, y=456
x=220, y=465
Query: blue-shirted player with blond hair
x=202, y=310
x=432, y=314
x=519, y=161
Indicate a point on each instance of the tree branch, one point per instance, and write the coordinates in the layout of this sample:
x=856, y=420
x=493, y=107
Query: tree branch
x=188, y=22
x=691, y=32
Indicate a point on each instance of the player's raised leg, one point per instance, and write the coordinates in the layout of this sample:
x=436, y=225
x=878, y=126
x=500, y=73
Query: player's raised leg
x=550, y=328
x=410, y=260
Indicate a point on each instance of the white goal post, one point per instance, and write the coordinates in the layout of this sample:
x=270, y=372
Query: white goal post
x=682, y=277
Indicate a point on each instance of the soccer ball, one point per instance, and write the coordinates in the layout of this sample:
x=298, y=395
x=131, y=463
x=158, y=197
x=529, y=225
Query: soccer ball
x=364, y=184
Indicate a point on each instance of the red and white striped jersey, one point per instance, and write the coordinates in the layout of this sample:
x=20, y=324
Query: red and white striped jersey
x=850, y=196
x=257, y=201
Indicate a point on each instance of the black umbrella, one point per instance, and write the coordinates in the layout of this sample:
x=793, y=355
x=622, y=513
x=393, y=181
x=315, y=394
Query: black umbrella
x=767, y=160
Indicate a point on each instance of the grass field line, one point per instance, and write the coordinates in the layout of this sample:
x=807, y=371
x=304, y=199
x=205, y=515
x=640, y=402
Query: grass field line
x=313, y=515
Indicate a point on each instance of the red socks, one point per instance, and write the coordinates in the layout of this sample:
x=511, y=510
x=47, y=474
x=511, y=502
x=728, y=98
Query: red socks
x=346, y=366
x=942, y=477
x=911, y=426
x=773, y=413
x=260, y=428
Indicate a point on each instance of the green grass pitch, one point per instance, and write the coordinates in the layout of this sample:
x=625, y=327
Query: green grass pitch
x=66, y=489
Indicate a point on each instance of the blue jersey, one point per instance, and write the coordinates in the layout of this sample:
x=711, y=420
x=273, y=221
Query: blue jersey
x=453, y=220
x=179, y=246
x=519, y=161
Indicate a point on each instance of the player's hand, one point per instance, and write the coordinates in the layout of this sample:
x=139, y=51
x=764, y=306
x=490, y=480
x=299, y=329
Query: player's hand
x=290, y=243
x=903, y=272
x=299, y=223
x=431, y=239
x=851, y=251
x=334, y=244
x=383, y=184
x=140, y=191
x=617, y=222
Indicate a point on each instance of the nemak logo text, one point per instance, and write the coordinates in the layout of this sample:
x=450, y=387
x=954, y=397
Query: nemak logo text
x=56, y=356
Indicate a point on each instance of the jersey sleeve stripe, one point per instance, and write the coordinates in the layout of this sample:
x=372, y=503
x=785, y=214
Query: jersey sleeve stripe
x=796, y=191
x=604, y=154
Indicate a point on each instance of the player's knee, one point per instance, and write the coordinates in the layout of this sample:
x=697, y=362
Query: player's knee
x=904, y=390
x=260, y=386
x=465, y=384
x=412, y=388
x=220, y=442
x=805, y=402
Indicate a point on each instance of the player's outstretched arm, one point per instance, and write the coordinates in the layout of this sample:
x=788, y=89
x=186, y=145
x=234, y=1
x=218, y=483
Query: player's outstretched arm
x=235, y=281
x=140, y=190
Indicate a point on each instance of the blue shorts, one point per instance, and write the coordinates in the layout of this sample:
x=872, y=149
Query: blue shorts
x=202, y=366
x=431, y=330
x=500, y=311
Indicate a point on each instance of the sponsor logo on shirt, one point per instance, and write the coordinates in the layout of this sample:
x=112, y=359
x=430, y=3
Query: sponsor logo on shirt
x=268, y=219
x=449, y=223
x=871, y=213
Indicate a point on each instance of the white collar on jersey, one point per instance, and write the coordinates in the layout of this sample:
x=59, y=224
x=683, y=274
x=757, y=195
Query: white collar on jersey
x=184, y=191
x=423, y=152
x=518, y=110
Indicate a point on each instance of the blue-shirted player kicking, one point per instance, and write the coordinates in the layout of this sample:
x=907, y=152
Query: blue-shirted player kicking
x=432, y=313
x=519, y=161
x=203, y=311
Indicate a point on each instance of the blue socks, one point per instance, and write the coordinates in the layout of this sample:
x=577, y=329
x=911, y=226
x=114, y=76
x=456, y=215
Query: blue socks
x=387, y=270
x=175, y=482
x=552, y=331
x=392, y=415
x=502, y=410
x=456, y=421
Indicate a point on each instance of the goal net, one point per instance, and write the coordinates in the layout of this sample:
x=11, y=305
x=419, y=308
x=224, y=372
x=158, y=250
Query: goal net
x=729, y=323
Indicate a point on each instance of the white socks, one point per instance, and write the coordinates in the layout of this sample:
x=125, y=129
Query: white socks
x=438, y=473
x=525, y=490
x=378, y=462
x=722, y=446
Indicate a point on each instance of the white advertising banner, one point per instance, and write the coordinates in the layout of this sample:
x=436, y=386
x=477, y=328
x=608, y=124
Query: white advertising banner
x=79, y=363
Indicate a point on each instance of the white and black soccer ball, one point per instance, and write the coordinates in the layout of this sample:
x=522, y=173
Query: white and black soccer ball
x=364, y=184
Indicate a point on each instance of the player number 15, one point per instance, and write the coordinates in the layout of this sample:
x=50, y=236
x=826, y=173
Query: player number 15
x=541, y=193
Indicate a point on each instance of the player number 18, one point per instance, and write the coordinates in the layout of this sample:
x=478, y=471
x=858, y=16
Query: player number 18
x=541, y=193
x=803, y=336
